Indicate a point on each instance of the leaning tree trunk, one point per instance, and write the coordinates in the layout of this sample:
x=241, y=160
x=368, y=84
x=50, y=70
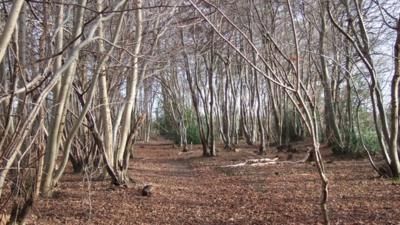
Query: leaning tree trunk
x=10, y=26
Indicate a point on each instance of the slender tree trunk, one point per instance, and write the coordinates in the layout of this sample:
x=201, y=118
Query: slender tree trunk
x=10, y=26
x=211, y=139
x=262, y=147
x=393, y=145
x=104, y=100
x=333, y=133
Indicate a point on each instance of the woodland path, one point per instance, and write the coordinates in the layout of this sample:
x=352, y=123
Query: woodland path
x=190, y=189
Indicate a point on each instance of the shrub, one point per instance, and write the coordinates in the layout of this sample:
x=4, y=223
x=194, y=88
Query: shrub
x=168, y=130
x=192, y=132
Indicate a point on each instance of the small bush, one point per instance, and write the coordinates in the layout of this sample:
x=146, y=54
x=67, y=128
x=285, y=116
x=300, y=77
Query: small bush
x=289, y=129
x=192, y=132
x=355, y=149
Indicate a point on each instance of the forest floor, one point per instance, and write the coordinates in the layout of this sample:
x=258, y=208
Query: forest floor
x=190, y=189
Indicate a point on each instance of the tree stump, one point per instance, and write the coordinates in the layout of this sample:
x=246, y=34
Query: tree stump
x=309, y=156
x=147, y=190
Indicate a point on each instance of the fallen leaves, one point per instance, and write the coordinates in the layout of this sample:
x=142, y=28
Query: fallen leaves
x=191, y=189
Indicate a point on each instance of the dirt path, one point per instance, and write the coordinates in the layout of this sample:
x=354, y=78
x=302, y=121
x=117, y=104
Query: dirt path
x=190, y=189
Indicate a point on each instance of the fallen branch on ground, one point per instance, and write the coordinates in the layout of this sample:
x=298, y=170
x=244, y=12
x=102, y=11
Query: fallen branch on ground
x=255, y=162
x=267, y=161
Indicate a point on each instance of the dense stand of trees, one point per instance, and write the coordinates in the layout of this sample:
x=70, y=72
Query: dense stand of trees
x=81, y=81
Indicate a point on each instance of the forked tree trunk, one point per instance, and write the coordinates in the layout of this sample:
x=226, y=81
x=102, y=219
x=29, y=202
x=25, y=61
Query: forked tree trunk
x=132, y=81
x=384, y=129
x=53, y=144
x=86, y=107
x=195, y=100
x=14, y=146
